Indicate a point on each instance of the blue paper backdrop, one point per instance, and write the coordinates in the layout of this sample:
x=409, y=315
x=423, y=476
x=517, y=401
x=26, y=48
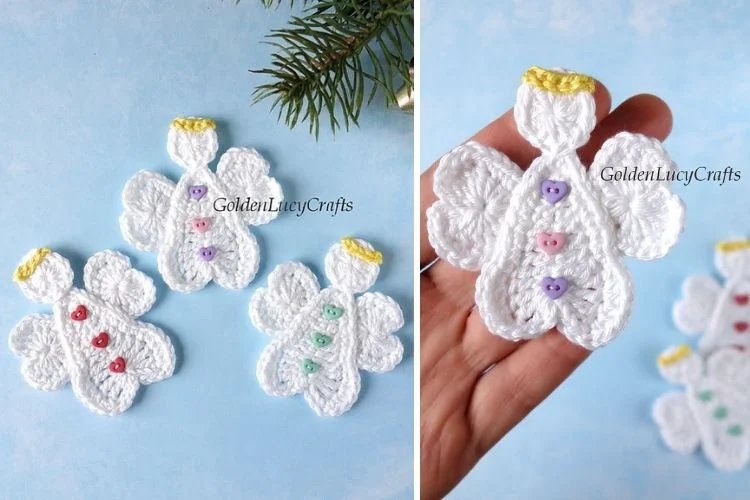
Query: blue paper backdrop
x=594, y=437
x=87, y=91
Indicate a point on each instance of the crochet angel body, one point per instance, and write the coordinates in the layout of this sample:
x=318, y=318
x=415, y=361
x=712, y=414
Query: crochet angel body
x=196, y=243
x=549, y=241
x=720, y=314
x=92, y=339
x=322, y=338
x=713, y=411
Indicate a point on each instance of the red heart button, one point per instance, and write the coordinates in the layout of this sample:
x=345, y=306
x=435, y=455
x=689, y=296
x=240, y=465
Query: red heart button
x=741, y=326
x=101, y=341
x=740, y=348
x=79, y=313
x=741, y=300
x=117, y=366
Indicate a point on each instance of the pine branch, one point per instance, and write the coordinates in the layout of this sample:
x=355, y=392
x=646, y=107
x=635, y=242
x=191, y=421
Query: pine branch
x=335, y=58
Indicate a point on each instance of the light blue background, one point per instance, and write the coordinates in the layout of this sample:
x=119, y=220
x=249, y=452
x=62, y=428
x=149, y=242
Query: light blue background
x=594, y=438
x=87, y=91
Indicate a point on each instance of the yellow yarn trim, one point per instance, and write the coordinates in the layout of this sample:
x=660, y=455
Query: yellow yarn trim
x=357, y=250
x=27, y=268
x=673, y=357
x=558, y=83
x=193, y=124
x=732, y=246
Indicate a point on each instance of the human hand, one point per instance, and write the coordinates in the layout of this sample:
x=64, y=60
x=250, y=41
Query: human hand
x=476, y=386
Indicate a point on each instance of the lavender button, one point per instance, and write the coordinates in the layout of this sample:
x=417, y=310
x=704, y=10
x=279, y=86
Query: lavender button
x=554, y=287
x=554, y=191
x=197, y=192
x=207, y=253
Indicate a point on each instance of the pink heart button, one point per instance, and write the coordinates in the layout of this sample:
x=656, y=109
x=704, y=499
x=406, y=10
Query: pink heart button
x=200, y=224
x=550, y=243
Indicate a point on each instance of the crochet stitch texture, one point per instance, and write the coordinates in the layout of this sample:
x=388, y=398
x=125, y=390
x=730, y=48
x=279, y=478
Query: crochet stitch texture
x=197, y=244
x=92, y=338
x=322, y=338
x=713, y=411
x=549, y=241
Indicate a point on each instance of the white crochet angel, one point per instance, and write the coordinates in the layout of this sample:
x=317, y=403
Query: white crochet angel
x=92, y=338
x=198, y=242
x=714, y=410
x=722, y=315
x=323, y=337
x=549, y=241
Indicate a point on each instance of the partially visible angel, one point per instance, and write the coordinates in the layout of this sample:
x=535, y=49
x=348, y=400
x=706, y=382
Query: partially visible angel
x=713, y=412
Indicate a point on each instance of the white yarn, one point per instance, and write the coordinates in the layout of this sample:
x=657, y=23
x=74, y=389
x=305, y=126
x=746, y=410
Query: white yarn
x=556, y=124
x=492, y=216
x=722, y=315
x=294, y=310
x=92, y=338
x=714, y=410
x=181, y=226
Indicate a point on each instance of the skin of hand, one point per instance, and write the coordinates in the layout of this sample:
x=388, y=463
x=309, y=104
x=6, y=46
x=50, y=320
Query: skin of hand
x=476, y=386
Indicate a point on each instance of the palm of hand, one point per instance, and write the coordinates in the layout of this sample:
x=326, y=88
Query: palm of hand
x=476, y=386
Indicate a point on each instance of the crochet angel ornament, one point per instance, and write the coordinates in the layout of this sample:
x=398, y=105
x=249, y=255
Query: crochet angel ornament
x=722, y=315
x=549, y=241
x=196, y=242
x=323, y=337
x=92, y=338
x=714, y=409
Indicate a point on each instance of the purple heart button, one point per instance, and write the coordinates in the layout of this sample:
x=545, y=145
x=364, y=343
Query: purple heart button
x=207, y=253
x=554, y=191
x=554, y=287
x=197, y=192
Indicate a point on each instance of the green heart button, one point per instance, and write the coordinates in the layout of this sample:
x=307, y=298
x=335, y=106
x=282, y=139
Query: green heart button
x=721, y=413
x=320, y=339
x=705, y=396
x=332, y=312
x=735, y=430
x=310, y=366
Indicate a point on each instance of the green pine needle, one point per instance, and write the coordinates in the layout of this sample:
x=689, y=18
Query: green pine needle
x=335, y=58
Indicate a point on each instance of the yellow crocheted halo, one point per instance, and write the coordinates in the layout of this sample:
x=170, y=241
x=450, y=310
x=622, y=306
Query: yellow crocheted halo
x=27, y=268
x=558, y=82
x=356, y=250
x=670, y=358
x=193, y=124
x=732, y=246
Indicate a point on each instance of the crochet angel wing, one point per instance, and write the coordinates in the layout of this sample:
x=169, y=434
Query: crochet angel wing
x=378, y=317
x=109, y=276
x=244, y=172
x=473, y=185
x=676, y=422
x=146, y=201
x=693, y=312
x=730, y=367
x=36, y=341
x=291, y=287
x=317, y=356
x=648, y=216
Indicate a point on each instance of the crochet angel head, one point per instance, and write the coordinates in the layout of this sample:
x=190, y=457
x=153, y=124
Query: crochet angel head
x=720, y=314
x=549, y=241
x=322, y=337
x=197, y=240
x=92, y=338
x=713, y=411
